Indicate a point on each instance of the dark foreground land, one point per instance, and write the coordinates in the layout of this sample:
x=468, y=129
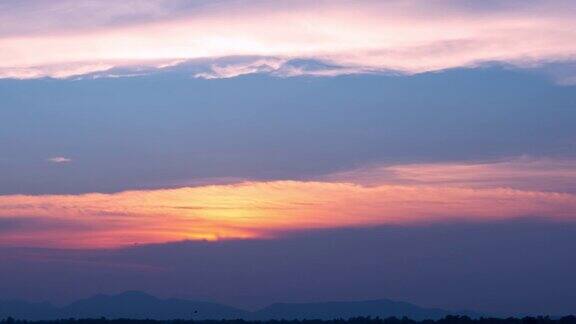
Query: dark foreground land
x=357, y=320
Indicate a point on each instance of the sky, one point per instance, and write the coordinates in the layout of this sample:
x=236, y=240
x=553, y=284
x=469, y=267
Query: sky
x=290, y=151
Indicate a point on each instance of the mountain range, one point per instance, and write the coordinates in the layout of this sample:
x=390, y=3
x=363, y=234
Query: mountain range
x=139, y=305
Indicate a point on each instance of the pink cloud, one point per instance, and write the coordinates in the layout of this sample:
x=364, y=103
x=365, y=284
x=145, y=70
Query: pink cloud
x=526, y=173
x=406, y=36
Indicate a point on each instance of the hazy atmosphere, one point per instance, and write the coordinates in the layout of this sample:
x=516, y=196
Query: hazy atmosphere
x=250, y=152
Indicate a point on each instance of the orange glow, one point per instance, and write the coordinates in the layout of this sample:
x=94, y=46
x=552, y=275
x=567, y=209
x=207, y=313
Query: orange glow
x=264, y=209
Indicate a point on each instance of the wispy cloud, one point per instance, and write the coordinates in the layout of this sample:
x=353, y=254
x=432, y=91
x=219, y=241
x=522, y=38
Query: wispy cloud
x=526, y=173
x=407, y=36
x=414, y=194
x=59, y=159
x=277, y=67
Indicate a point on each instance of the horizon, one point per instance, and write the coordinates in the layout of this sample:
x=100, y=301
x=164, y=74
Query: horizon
x=134, y=296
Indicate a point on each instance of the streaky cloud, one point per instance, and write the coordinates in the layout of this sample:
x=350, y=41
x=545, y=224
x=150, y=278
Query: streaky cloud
x=406, y=195
x=525, y=172
x=357, y=37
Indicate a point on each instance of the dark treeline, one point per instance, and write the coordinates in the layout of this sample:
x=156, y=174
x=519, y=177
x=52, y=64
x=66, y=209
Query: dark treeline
x=357, y=320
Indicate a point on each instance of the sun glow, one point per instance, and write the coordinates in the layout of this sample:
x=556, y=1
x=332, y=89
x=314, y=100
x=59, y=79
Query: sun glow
x=399, y=195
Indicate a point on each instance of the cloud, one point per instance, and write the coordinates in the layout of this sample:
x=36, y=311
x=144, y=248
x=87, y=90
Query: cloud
x=561, y=73
x=409, y=194
x=235, y=69
x=59, y=159
x=405, y=36
x=277, y=67
x=539, y=174
x=32, y=17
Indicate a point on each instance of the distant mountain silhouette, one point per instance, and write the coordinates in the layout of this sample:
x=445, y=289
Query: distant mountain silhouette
x=382, y=308
x=138, y=305
x=131, y=304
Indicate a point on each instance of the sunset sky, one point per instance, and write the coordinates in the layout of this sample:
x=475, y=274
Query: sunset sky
x=358, y=141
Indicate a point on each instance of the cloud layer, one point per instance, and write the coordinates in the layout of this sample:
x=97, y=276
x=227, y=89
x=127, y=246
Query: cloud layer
x=40, y=38
x=414, y=194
